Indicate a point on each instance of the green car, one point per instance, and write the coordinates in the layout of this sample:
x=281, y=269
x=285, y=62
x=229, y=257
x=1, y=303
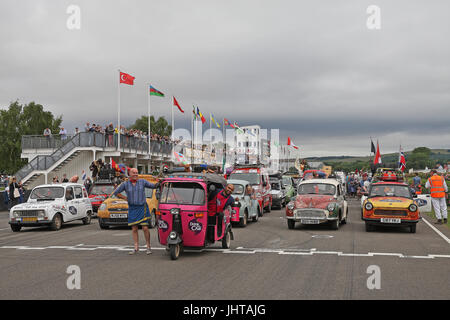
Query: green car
x=289, y=185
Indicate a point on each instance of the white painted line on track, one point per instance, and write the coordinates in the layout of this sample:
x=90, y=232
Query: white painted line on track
x=239, y=250
x=436, y=230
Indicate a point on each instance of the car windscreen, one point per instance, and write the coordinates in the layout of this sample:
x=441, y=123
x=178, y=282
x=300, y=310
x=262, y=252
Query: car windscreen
x=47, y=193
x=101, y=189
x=238, y=188
x=316, y=188
x=287, y=181
x=182, y=193
x=275, y=186
x=252, y=178
x=389, y=190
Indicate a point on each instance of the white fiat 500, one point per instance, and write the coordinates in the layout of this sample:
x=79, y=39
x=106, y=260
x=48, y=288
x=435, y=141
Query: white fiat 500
x=52, y=205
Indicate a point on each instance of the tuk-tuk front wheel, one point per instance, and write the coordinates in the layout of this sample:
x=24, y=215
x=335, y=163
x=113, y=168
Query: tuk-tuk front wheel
x=174, y=251
x=226, y=240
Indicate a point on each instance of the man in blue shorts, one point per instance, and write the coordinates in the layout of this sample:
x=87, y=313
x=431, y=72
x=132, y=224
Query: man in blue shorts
x=138, y=211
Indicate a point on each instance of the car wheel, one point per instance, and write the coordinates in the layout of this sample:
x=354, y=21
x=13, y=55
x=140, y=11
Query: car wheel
x=152, y=219
x=259, y=212
x=412, y=229
x=291, y=224
x=369, y=227
x=15, y=227
x=344, y=221
x=102, y=225
x=56, y=222
x=255, y=218
x=243, y=221
x=87, y=219
x=335, y=224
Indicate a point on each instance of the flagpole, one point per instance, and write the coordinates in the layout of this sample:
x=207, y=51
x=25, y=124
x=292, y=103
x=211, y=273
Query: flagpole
x=118, y=115
x=173, y=128
x=149, y=132
x=210, y=135
x=192, y=138
x=224, y=149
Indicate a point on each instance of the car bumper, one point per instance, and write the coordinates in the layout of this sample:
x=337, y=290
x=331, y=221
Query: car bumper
x=30, y=224
x=114, y=222
x=377, y=221
x=277, y=201
x=318, y=220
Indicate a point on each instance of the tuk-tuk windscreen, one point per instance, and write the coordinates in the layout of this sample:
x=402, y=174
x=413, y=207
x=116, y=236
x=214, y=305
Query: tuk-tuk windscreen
x=183, y=193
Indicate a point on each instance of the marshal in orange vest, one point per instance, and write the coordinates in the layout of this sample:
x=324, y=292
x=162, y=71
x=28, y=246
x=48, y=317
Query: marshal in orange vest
x=437, y=186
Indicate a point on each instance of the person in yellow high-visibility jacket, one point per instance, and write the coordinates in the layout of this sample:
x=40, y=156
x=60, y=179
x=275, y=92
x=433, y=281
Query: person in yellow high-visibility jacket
x=438, y=190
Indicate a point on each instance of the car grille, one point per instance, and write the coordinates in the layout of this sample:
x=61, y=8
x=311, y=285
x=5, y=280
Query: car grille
x=308, y=213
x=383, y=212
x=28, y=213
x=118, y=210
x=122, y=220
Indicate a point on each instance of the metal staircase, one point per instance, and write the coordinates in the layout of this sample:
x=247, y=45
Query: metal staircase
x=68, y=150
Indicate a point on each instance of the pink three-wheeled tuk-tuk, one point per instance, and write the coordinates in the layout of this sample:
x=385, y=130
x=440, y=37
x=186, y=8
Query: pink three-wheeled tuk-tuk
x=183, y=217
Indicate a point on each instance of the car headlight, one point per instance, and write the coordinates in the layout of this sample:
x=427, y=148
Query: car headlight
x=41, y=213
x=290, y=206
x=102, y=207
x=412, y=208
x=16, y=214
x=175, y=211
x=331, y=206
x=368, y=206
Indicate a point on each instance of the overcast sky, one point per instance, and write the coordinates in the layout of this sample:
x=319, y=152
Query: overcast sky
x=310, y=68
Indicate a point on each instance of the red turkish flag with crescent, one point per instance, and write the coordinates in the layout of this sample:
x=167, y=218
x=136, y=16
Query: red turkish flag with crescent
x=126, y=78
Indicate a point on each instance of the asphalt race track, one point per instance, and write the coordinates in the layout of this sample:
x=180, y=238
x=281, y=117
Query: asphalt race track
x=266, y=261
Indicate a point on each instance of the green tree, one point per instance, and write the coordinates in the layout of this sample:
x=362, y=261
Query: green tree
x=420, y=158
x=18, y=120
x=160, y=126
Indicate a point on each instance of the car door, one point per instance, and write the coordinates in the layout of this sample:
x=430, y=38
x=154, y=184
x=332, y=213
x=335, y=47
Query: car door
x=252, y=204
x=71, y=205
x=81, y=205
x=341, y=201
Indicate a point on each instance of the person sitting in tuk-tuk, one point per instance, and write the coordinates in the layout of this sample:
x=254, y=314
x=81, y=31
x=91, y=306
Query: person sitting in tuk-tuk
x=218, y=200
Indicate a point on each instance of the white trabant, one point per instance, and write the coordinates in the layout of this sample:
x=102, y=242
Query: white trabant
x=52, y=205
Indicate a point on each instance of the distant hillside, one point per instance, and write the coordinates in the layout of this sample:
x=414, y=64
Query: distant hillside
x=436, y=154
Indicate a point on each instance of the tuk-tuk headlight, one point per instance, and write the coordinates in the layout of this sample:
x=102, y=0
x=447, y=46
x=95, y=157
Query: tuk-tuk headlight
x=173, y=235
x=412, y=208
x=174, y=211
x=368, y=206
x=290, y=206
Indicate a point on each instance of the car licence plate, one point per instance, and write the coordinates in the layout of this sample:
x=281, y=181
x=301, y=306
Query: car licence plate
x=118, y=215
x=391, y=220
x=308, y=221
x=33, y=219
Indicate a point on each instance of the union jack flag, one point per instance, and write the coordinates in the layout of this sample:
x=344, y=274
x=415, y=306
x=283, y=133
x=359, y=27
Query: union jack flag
x=401, y=160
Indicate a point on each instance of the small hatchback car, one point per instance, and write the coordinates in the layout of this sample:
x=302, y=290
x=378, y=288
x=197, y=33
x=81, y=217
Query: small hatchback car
x=52, y=205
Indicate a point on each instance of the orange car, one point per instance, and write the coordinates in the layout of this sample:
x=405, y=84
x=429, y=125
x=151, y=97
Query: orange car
x=114, y=211
x=390, y=204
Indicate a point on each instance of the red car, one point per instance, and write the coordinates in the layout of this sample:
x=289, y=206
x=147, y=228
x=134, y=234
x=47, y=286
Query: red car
x=258, y=177
x=99, y=191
